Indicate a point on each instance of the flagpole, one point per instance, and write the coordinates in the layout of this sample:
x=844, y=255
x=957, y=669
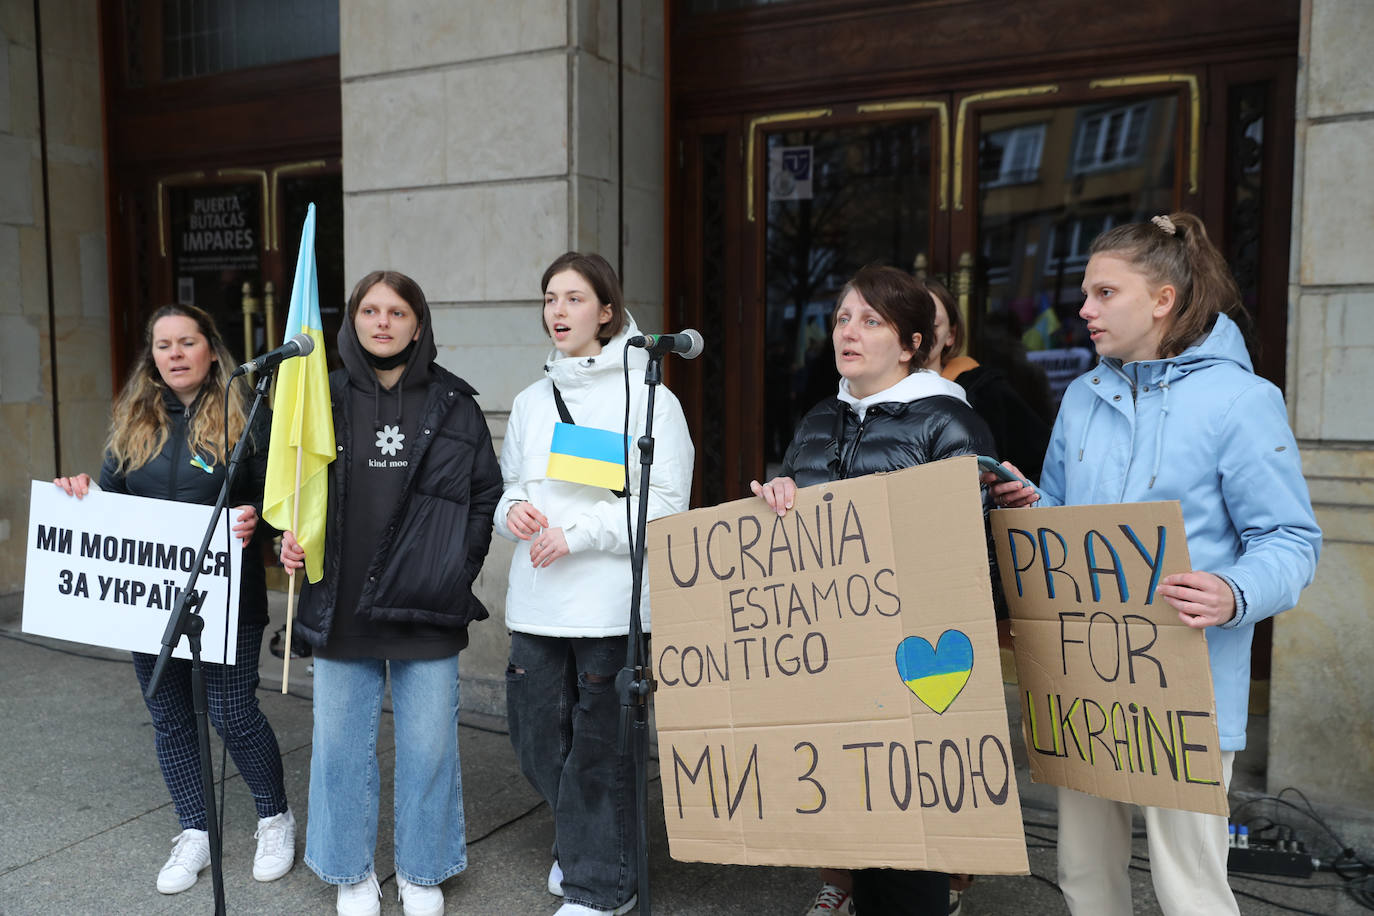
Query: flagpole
x=291, y=580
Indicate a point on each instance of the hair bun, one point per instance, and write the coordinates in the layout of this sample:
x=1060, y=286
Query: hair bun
x=1165, y=225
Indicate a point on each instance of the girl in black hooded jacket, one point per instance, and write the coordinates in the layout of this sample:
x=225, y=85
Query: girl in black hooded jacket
x=411, y=496
x=889, y=414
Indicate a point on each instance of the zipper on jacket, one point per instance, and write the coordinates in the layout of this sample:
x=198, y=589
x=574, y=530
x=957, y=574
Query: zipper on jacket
x=177, y=448
x=852, y=448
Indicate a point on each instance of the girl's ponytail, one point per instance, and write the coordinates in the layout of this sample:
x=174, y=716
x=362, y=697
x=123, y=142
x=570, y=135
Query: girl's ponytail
x=1212, y=288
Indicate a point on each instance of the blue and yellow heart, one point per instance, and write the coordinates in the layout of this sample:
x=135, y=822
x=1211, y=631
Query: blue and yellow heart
x=936, y=674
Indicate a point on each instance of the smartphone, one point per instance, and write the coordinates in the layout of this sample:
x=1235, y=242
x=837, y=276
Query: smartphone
x=992, y=464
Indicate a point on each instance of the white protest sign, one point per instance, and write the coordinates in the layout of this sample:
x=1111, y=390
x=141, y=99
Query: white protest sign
x=108, y=570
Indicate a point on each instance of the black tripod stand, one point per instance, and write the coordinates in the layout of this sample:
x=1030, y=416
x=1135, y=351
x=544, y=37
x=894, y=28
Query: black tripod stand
x=183, y=621
x=635, y=683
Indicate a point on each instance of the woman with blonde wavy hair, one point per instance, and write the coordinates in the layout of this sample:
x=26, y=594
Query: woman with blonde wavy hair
x=167, y=441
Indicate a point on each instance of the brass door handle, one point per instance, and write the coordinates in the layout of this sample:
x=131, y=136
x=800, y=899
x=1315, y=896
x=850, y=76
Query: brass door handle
x=250, y=308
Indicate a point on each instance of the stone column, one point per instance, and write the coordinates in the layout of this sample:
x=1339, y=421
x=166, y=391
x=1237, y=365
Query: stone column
x=1322, y=691
x=70, y=63
x=479, y=144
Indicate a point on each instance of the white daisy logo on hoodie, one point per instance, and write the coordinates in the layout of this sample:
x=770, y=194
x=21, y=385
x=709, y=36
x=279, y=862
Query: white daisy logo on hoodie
x=390, y=440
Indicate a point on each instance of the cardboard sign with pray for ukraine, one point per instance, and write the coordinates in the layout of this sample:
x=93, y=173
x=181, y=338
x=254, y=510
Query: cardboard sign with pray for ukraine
x=830, y=691
x=1116, y=691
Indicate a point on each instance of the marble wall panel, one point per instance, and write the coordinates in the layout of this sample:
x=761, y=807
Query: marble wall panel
x=21, y=365
x=9, y=271
x=436, y=238
x=1339, y=80
x=95, y=288
x=524, y=227
x=382, y=154
x=367, y=234
x=1347, y=414
x=596, y=217
x=23, y=102
x=643, y=136
x=85, y=425
x=1321, y=673
x=73, y=109
x=5, y=89
x=16, y=23
x=83, y=360
x=594, y=81
x=500, y=350
x=507, y=119
x=644, y=254
x=17, y=156
x=1337, y=204
x=389, y=37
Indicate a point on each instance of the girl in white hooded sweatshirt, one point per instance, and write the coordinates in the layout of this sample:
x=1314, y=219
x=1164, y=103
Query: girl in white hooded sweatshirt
x=568, y=603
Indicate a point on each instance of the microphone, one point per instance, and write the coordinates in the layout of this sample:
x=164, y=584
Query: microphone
x=688, y=343
x=300, y=345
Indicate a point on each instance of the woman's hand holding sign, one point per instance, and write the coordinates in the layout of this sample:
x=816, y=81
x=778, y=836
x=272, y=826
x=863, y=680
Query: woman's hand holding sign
x=1202, y=599
x=778, y=493
x=246, y=524
x=77, y=486
x=1014, y=495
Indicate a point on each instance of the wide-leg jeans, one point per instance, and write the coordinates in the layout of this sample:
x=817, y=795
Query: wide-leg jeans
x=345, y=785
x=564, y=723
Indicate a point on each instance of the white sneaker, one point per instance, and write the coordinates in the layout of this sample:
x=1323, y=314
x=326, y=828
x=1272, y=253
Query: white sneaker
x=190, y=855
x=577, y=909
x=419, y=899
x=276, y=853
x=831, y=901
x=361, y=899
x=556, y=879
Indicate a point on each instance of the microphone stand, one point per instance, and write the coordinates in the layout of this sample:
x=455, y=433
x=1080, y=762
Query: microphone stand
x=183, y=621
x=635, y=682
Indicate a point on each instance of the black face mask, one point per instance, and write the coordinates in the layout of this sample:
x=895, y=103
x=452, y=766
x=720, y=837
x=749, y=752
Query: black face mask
x=389, y=362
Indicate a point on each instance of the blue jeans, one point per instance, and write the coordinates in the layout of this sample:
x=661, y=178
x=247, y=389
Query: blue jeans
x=564, y=723
x=232, y=703
x=345, y=785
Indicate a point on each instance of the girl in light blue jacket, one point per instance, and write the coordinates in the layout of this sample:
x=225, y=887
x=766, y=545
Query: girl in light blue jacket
x=1173, y=410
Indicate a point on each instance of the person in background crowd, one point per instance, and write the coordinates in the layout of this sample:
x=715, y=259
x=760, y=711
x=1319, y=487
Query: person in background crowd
x=1020, y=432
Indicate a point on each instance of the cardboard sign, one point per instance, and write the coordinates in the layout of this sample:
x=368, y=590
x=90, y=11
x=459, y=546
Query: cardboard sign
x=108, y=570
x=830, y=692
x=1116, y=692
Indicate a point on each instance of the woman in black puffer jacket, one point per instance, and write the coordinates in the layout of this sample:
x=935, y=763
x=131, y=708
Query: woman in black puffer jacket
x=889, y=414
x=167, y=441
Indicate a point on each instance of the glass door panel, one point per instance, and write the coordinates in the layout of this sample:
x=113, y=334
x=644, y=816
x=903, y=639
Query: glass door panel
x=1049, y=180
x=838, y=198
x=215, y=242
x=294, y=194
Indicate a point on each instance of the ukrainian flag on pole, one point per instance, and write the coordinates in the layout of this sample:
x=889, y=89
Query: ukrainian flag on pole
x=297, y=491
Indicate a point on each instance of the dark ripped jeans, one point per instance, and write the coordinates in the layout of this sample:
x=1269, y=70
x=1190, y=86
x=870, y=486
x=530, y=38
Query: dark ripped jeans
x=564, y=716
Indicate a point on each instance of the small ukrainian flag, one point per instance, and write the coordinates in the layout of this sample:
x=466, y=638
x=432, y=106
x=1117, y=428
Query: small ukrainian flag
x=585, y=454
